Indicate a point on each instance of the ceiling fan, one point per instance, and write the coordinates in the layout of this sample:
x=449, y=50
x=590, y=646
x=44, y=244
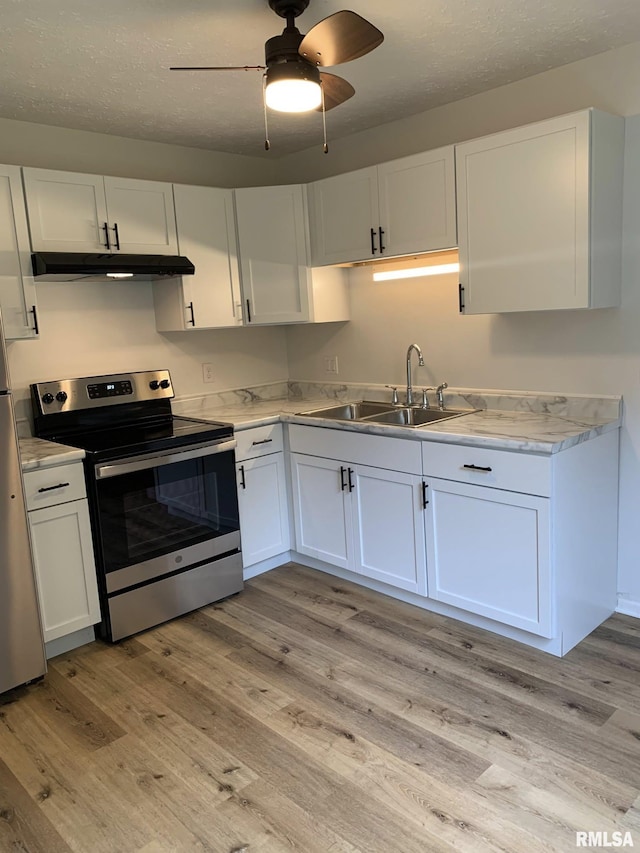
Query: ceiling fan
x=291, y=80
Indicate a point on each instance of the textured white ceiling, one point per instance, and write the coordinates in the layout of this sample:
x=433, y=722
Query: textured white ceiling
x=102, y=65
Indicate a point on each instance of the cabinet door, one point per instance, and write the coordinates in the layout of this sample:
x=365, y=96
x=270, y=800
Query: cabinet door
x=523, y=217
x=210, y=299
x=17, y=288
x=321, y=509
x=67, y=211
x=272, y=237
x=262, y=499
x=418, y=202
x=65, y=568
x=141, y=216
x=488, y=552
x=388, y=519
x=344, y=218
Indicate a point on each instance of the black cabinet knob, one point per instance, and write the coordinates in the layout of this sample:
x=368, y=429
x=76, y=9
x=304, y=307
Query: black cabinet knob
x=47, y=398
x=61, y=396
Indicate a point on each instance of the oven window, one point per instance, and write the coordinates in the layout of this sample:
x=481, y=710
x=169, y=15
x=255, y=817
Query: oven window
x=149, y=513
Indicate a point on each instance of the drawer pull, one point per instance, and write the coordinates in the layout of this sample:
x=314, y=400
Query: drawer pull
x=425, y=502
x=349, y=473
x=343, y=485
x=263, y=441
x=243, y=482
x=477, y=468
x=52, y=488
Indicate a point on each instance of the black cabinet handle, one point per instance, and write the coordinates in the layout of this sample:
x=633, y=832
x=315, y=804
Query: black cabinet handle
x=424, y=495
x=373, y=241
x=243, y=482
x=106, y=235
x=350, y=472
x=477, y=468
x=264, y=441
x=460, y=298
x=248, y=311
x=52, y=488
x=343, y=485
x=381, y=235
x=117, y=236
x=34, y=311
x=193, y=319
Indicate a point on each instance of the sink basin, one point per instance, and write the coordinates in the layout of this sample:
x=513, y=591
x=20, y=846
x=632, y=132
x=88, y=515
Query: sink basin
x=415, y=417
x=366, y=411
x=350, y=411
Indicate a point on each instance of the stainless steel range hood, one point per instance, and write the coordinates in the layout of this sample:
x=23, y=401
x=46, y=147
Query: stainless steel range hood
x=78, y=266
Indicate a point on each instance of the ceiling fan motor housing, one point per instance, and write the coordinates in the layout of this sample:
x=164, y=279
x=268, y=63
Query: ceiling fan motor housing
x=288, y=8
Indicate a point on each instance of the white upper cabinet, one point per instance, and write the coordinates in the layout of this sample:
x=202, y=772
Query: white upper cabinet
x=211, y=298
x=17, y=288
x=272, y=237
x=540, y=215
x=396, y=208
x=71, y=212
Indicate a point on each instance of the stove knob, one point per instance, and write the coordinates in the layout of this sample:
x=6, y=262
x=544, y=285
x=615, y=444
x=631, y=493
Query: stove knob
x=61, y=396
x=154, y=385
x=47, y=398
x=165, y=383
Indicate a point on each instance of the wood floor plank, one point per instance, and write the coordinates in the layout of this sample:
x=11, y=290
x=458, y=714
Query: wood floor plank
x=310, y=714
x=22, y=825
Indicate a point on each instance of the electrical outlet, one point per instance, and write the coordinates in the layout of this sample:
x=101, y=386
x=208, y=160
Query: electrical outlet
x=207, y=373
x=331, y=364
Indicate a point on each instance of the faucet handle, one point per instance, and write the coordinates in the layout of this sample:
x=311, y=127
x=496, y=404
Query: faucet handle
x=425, y=398
x=394, y=394
x=439, y=391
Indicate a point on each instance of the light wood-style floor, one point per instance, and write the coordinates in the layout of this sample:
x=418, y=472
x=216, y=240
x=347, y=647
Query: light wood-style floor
x=308, y=714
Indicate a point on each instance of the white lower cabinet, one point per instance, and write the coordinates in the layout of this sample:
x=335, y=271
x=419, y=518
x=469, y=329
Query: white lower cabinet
x=355, y=516
x=62, y=550
x=262, y=494
x=488, y=553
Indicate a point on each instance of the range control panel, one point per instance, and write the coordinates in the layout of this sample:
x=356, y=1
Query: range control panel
x=68, y=395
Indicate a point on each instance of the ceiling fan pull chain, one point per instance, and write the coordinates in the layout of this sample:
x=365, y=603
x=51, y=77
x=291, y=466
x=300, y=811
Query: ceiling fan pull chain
x=325, y=147
x=267, y=144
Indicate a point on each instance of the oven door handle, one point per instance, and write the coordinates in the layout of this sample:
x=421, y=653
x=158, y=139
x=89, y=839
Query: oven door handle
x=154, y=460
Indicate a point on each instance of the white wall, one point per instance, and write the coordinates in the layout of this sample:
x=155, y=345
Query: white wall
x=95, y=328
x=26, y=144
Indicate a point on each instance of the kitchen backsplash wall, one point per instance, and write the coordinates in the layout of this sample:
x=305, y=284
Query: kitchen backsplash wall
x=100, y=327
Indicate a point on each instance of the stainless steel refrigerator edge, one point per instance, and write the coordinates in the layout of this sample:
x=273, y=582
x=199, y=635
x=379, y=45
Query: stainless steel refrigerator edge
x=22, y=656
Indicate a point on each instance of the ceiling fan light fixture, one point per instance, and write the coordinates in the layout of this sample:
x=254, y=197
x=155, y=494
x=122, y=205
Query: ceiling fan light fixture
x=293, y=87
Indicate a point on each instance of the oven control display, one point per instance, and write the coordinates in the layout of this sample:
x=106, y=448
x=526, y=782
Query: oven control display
x=109, y=389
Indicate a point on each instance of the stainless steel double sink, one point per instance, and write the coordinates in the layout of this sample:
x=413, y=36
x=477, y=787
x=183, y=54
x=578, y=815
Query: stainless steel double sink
x=366, y=411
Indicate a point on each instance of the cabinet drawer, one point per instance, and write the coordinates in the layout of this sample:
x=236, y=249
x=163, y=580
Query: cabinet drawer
x=499, y=469
x=258, y=441
x=51, y=486
x=378, y=451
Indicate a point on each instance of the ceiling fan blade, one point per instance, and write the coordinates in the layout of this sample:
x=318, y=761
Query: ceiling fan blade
x=218, y=68
x=336, y=90
x=339, y=38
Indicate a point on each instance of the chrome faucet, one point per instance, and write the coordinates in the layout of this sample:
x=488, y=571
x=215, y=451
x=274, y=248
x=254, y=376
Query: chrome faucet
x=420, y=364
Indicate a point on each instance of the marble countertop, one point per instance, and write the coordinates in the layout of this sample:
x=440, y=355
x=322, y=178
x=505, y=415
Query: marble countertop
x=38, y=453
x=525, y=431
x=521, y=421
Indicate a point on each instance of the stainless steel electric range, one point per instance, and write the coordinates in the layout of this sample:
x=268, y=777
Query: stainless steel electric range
x=162, y=495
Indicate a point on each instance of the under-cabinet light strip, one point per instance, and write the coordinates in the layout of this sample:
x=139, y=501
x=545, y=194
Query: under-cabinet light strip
x=415, y=272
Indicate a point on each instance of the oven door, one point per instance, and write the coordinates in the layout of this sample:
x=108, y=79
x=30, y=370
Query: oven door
x=165, y=513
